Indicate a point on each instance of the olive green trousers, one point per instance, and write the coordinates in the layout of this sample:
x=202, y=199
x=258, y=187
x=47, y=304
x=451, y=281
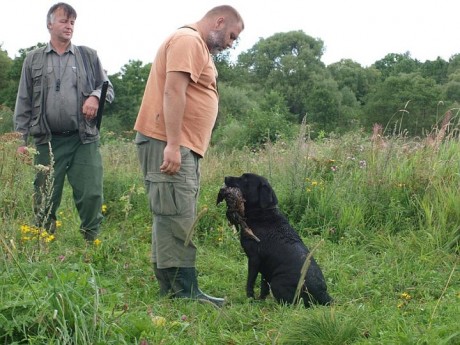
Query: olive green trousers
x=173, y=202
x=82, y=164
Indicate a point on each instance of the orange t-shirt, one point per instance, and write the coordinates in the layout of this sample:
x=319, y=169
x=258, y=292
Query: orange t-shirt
x=183, y=51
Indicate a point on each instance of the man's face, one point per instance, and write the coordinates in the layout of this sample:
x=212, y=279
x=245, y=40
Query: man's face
x=223, y=36
x=61, y=26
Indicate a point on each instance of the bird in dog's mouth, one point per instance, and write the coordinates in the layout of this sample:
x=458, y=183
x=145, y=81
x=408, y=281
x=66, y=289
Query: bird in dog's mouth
x=235, y=209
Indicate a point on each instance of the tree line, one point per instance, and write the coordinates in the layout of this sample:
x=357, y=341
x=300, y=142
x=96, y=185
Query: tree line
x=280, y=82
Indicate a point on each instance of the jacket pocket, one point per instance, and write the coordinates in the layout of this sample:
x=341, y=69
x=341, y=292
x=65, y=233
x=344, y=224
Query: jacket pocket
x=35, y=124
x=90, y=127
x=91, y=130
x=34, y=127
x=37, y=74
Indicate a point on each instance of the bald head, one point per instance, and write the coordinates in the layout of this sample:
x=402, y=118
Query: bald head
x=227, y=12
x=220, y=28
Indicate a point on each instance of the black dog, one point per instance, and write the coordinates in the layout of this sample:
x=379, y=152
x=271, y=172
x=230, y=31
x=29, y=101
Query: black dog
x=272, y=246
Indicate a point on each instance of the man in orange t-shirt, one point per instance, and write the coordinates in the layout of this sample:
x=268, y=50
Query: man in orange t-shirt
x=174, y=126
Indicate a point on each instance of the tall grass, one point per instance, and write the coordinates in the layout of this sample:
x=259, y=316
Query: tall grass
x=385, y=209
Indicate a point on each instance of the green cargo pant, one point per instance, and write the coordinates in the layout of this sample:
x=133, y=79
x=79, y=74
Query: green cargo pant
x=82, y=164
x=173, y=201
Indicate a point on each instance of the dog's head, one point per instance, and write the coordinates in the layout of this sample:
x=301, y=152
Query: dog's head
x=256, y=190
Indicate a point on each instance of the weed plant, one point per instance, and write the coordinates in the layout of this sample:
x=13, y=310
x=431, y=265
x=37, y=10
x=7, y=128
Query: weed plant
x=386, y=209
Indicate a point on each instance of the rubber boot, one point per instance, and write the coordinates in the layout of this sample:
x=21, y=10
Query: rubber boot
x=163, y=280
x=89, y=235
x=185, y=285
x=50, y=226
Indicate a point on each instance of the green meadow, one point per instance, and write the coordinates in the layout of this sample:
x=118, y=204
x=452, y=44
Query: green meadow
x=383, y=213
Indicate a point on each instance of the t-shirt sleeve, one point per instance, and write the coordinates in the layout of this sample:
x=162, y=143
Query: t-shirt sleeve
x=186, y=53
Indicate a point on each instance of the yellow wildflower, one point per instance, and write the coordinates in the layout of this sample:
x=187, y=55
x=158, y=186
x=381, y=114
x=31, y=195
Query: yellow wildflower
x=58, y=224
x=406, y=296
x=104, y=209
x=25, y=229
x=97, y=242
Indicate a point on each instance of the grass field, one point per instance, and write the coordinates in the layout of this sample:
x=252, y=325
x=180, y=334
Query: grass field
x=384, y=212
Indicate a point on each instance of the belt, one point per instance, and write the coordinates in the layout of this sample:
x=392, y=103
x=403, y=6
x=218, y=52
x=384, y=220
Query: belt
x=65, y=133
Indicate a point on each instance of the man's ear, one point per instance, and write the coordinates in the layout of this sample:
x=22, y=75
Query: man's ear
x=220, y=22
x=267, y=197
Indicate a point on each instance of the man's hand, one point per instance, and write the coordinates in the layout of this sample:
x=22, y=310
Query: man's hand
x=171, y=160
x=90, y=107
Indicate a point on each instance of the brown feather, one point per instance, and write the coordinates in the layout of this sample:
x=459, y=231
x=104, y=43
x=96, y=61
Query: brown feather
x=235, y=209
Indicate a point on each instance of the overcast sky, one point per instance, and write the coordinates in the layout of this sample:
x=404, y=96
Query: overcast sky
x=362, y=30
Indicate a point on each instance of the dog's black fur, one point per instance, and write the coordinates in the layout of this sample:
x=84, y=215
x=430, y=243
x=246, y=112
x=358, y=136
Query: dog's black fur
x=280, y=254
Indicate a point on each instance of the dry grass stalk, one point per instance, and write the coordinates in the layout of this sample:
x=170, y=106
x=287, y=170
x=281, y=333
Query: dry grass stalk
x=188, y=239
x=304, y=270
x=435, y=139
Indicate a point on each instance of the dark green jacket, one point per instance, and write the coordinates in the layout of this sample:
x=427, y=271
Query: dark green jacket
x=29, y=116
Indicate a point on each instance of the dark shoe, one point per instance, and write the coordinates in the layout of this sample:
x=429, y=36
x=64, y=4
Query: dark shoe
x=89, y=235
x=50, y=226
x=163, y=280
x=185, y=285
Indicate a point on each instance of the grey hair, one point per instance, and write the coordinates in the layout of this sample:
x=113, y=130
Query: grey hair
x=228, y=10
x=68, y=10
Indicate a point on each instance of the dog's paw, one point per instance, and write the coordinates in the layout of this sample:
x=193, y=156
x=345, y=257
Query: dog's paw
x=250, y=295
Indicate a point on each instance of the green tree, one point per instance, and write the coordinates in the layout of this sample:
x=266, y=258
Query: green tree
x=452, y=88
x=129, y=85
x=265, y=121
x=437, y=69
x=236, y=102
x=323, y=101
x=351, y=75
x=454, y=64
x=394, y=64
x=10, y=71
x=290, y=64
x=229, y=72
x=405, y=102
x=5, y=66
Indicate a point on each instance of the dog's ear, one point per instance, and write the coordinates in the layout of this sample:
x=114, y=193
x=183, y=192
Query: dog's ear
x=267, y=196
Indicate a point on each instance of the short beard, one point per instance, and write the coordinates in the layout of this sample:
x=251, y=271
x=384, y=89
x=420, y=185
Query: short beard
x=215, y=41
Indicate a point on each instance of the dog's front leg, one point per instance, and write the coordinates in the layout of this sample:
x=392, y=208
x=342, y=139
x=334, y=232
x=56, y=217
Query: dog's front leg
x=253, y=271
x=264, y=288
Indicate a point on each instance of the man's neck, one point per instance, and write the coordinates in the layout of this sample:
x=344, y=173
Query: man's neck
x=60, y=46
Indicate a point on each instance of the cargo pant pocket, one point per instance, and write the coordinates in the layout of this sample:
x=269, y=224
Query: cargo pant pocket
x=163, y=197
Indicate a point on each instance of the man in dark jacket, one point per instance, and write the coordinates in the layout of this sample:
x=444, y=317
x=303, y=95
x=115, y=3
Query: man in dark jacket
x=56, y=105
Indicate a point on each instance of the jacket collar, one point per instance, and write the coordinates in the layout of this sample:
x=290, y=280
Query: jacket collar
x=49, y=48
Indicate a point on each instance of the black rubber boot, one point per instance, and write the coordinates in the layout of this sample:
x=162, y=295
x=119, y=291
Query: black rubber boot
x=89, y=235
x=50, y=226
x=185, y=285
x=163, y=280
